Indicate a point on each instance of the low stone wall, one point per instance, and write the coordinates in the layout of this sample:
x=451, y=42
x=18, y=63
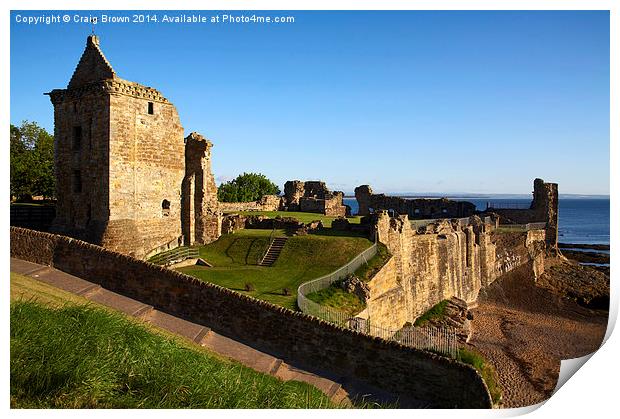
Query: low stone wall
x=294, y=336
x=266, y=203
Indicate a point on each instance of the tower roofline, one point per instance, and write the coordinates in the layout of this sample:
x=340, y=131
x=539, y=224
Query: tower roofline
x=92, y=67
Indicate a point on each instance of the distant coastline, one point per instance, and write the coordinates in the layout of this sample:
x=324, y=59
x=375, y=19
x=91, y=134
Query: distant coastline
x=465, y=196
x=582, y=218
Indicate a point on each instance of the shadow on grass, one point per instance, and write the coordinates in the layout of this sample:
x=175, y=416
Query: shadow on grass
x=330, y=232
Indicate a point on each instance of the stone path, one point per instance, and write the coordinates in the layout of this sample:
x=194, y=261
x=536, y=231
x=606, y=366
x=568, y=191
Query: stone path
x=340, y=390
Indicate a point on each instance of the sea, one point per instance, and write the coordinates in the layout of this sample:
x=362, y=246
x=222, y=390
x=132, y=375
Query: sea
x=581, y=220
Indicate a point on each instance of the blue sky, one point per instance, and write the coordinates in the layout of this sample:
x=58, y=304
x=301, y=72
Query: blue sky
x=447, y=102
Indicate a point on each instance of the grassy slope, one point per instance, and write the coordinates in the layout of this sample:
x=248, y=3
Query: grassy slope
x=304, y=217
x=303, y=258
x=473, y=358
x=435, y=312
x=337, y=298
x=70, y=355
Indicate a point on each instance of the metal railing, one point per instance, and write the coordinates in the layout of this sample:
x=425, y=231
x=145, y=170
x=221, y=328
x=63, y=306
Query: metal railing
x=178, y=254
x=508, y=205
x=523, y=227
x=326, y=280
x=463, y=222
x=437, y=339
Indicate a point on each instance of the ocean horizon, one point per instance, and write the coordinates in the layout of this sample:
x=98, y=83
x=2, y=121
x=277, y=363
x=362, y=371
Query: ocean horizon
x=582, y=220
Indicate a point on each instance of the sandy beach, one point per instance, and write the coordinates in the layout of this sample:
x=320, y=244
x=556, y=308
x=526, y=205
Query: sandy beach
x=524, y=331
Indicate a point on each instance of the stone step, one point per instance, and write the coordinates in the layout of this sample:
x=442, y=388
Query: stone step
x=273, y=252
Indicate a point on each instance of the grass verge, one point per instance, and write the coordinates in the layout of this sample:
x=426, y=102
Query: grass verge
x=374, y=265
x=435, y=312
x=335, y=297
x=486, y=370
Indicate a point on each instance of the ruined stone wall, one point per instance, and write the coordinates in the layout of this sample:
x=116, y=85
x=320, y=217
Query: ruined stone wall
x=313, y=196
x=330, y=205
x=201, y=217
x=296, y=337
x=544, y=208
x=417, y=208
x=445, y=260
x=334, y=206
x=516, y=249
x=265, y=203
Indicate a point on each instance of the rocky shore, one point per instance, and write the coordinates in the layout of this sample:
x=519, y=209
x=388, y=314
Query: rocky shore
x=595, y=255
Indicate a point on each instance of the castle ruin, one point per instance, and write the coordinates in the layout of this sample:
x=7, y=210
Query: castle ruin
x=121, y=161
x=417, y=208
x=313, y=196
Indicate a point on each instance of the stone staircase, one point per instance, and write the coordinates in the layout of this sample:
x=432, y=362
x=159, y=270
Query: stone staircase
x=273, y=252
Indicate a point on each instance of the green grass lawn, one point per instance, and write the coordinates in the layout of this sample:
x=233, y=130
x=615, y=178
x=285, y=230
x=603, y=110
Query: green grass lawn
x=69, y=353
x=304, y=217
x=336, y=297
x=234, y=258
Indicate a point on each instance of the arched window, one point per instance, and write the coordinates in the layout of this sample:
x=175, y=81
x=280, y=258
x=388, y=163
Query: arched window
x=165, y=208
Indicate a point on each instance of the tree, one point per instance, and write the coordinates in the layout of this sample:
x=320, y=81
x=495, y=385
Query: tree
x=246, y=188
x=32, y=161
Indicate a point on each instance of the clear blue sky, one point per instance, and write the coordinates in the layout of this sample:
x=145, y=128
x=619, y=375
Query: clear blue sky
x=416, y=101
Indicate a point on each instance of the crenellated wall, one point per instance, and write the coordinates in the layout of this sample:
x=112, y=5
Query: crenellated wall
x=446, y=259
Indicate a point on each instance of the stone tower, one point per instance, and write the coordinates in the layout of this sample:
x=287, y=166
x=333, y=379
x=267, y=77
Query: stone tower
x=119, y=160
x=545, y=207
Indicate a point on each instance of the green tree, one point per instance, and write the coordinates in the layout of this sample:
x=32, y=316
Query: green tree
x=246, y=187
x=32, y=161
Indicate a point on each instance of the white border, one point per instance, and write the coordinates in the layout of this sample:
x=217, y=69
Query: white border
x=591, y=393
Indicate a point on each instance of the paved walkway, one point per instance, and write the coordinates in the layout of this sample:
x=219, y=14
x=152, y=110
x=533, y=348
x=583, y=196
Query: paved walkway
x=339, y=390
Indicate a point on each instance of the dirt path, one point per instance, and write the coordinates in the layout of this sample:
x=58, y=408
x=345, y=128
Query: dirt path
x=524, y=331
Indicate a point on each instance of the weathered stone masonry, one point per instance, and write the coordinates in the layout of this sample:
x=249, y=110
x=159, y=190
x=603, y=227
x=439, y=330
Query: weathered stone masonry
x=201, y=218
x=443, y=260
x=544, y=208
x=297, y=338
x=416, y=208
x=313, y=196
x=119, y=159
